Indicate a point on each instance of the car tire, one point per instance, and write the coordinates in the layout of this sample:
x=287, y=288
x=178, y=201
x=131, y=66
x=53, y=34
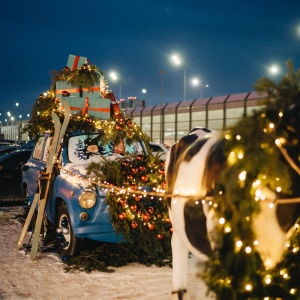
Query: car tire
x=70, y=244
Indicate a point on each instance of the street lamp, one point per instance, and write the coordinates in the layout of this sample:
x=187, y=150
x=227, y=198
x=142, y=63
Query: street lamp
x=196, y=82
x=177, y=61
x=114, y=77
x=274, y=69
x=162, y=73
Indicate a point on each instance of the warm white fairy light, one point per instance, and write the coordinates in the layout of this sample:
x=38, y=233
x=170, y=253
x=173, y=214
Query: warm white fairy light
x=238, y=137
x=239, y=243
x=222, y=221
x=268, y=279
x=227, y=229
x=248, y=249
x=248, y=287
x=255, y=243
x=240, y=155
x=256, y=183
x=271, y=125
x=293, y=291
x=242, y=176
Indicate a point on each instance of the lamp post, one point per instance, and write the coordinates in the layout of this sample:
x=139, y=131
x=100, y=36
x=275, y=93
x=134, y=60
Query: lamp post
x=177, y=61
x=162, y=73
x=114, y=77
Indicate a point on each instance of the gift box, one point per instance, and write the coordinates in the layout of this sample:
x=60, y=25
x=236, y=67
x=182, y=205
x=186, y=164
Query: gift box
x=95, y=107
x=65, y=89
x=75, y=61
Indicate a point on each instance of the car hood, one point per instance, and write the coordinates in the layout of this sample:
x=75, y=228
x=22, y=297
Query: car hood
x=79, y=168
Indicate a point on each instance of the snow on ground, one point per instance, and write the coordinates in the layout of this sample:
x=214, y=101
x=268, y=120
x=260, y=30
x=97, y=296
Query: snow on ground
x=45, y=278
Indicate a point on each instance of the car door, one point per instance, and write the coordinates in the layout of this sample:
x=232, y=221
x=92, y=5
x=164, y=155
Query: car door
x=11, y=175
x=36, y=164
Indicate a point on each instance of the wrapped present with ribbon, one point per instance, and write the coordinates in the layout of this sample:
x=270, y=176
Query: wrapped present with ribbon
x=64, y=89
x=97, y=108
x=76, y=61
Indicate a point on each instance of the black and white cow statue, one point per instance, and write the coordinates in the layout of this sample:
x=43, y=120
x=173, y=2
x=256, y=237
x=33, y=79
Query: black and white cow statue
x=191, y=166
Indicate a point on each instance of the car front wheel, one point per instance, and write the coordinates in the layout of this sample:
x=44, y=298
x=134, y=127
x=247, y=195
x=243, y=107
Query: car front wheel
x=70, y=244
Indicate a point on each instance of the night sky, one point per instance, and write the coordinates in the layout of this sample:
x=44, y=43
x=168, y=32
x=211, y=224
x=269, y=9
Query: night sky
x=226, y=44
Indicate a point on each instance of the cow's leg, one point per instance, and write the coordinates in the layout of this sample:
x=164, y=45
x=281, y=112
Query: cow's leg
x=180, y=261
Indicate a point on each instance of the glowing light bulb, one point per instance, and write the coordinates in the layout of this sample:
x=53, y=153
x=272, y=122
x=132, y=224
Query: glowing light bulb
x=242, y=176
x=248, y=249
x=239, y=244
x=221, y=221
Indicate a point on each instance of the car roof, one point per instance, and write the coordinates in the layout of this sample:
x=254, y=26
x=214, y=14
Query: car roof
x=8, y=155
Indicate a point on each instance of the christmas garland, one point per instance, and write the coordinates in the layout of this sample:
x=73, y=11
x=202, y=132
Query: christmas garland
x=85, y=76
x=237, y=271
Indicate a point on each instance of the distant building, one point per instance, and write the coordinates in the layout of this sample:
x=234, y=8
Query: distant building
x=131, y=102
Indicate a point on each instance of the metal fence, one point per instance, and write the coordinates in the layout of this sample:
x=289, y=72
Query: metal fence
x=170, y=121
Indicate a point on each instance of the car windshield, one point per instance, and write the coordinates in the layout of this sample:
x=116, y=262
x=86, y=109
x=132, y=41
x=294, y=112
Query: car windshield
x=85, y=147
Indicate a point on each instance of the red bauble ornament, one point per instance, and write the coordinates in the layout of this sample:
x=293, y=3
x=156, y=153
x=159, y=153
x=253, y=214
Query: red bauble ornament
x=158, y=216
x=133, y=207
x=171, y=229
x=125, y=163
x=65, y=93
x=118, y=127
x=133, y=187
x=150, y=209
x=161, y=171
x=88, y=120
x=137, y=198
x=140, y=157
x=134, y=170
x=129, y=177
x=168, y=220
x=142, y=168
x=163, y=185
x=134, y=224
x=121, y=121
x=144, y=178
x=146, y=217
x=122, y=216
x=160, y=236
x=122, y=201
x=151, y=226
x=66, y=69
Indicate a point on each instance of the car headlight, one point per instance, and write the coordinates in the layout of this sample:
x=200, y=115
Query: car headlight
x=87, y=199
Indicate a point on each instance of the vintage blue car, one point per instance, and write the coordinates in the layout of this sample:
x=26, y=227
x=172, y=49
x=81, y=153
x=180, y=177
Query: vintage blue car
x=77, y=209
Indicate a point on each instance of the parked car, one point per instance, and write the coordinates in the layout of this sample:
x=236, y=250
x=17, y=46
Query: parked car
x=11, y=174
x=159, y=149
x=4, y=149
x=77, y=209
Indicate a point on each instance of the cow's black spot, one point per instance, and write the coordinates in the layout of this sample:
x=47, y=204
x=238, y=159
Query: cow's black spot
x=195, y=148
x=195, y=227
